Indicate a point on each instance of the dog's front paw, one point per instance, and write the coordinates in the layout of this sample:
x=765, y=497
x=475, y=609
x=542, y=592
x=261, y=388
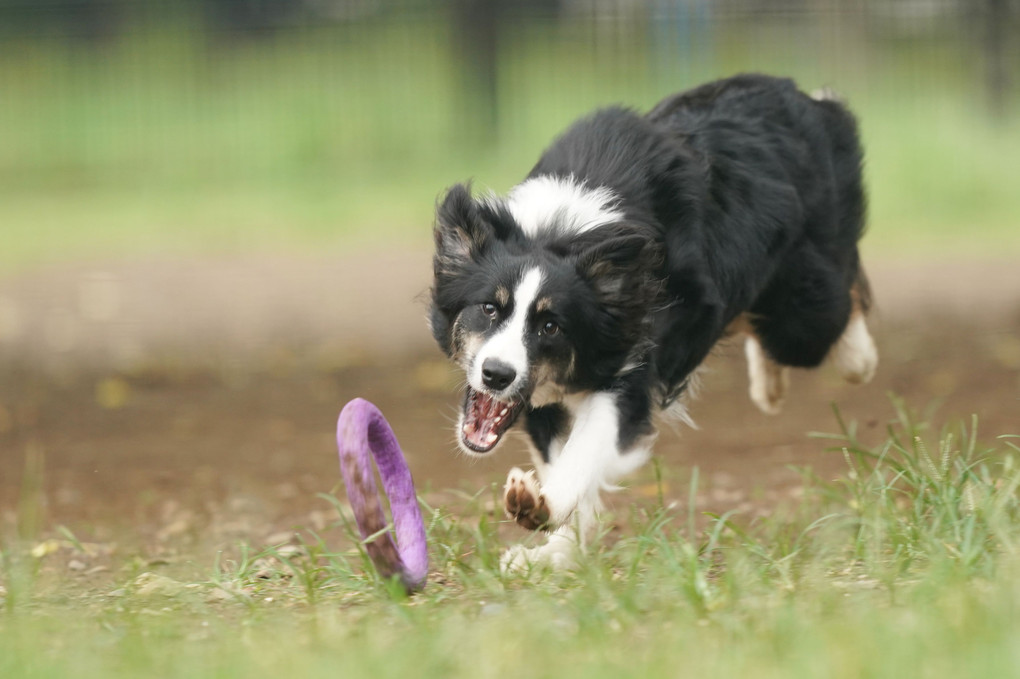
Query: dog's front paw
x=524, y=502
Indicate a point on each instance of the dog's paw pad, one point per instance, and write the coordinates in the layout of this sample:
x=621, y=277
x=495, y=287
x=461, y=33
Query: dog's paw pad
x=524, y=502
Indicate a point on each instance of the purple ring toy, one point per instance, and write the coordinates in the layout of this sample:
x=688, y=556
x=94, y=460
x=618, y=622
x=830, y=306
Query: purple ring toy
x=361, y=429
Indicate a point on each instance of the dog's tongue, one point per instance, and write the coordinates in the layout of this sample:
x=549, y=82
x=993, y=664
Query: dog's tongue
x=485, y=420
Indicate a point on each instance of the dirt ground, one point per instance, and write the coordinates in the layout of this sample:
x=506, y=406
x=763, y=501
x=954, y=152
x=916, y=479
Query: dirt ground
x=182, y=406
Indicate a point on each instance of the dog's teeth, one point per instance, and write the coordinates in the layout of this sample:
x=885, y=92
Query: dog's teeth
x=503, y=412
x=491, y=438
x=497, y=420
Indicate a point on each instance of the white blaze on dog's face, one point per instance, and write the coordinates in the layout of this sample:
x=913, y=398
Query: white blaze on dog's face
x=498, y=366
x=507, y=349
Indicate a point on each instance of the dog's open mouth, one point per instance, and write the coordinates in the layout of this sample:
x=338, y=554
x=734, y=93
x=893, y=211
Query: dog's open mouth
x=486, y=419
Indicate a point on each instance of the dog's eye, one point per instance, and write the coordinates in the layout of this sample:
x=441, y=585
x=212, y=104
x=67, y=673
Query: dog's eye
x=490, y=310
x=549, y=329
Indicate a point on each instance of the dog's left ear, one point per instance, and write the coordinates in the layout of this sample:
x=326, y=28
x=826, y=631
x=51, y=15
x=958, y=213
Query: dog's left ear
x=619, y=265
x=460, y=231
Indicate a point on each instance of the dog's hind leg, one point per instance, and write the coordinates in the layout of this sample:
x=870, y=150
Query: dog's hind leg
x=769, y=380
x=854, y=354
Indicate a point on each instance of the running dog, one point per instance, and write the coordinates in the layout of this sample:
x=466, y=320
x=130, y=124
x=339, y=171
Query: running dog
x=581, y=304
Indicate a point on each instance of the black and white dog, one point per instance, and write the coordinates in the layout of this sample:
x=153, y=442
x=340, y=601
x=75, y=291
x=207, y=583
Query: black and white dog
x=581, y=304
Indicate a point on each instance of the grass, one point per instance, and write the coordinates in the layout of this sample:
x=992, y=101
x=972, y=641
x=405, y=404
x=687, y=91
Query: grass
x=166, y=140
x=906, y=565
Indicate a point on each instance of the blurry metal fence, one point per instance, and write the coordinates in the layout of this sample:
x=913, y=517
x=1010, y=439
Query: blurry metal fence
x=99, y=82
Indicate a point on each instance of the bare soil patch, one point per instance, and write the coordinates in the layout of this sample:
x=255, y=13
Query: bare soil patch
x=184, y=406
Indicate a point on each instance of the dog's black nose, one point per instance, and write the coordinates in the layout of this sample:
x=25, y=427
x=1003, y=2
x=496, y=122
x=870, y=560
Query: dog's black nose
x=497, y=375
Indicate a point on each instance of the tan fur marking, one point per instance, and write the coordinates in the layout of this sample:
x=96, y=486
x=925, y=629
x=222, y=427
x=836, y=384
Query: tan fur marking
x=546, y=389
x=860, y=294
x=740, y=324
x=502, y=296
x=544, y=304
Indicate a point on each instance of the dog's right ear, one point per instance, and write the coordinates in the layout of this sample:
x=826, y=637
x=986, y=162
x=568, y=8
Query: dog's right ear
x=460, y=232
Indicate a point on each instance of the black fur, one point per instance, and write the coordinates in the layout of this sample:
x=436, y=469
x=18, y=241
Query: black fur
x=546, y=423
x=740, y=196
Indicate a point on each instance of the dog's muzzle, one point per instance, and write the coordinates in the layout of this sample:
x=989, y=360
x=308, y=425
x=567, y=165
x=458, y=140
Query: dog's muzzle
x=486, y=418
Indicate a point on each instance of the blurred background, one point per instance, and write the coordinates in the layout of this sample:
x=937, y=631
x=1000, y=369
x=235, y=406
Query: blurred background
x=226, y=125
x=215, y=221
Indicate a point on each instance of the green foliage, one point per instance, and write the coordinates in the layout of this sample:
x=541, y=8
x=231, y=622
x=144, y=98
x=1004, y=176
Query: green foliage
x=947, y=503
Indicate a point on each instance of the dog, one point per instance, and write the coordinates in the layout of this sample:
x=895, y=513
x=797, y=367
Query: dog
x=581, y=304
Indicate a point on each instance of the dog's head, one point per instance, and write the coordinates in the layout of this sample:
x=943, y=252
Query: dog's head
x=531, y=318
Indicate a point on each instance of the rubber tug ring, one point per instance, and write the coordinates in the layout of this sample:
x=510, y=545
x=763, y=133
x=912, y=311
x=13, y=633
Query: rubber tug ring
x=361, y=429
